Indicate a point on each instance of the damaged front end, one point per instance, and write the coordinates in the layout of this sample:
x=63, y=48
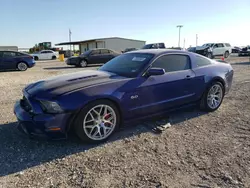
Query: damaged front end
x=205, y=51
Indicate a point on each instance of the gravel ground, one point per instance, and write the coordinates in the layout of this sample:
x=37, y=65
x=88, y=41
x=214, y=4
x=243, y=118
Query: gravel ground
x=200, y=150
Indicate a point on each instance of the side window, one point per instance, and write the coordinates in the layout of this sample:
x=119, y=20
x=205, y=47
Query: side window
x=201, y=61
x=220, y=45
x=43, y=52
x=1, y=54
x=49, y=52
x=9, y=54
x=154, y=46
x=104, y=51
x=95, y=52
x=173, y=63
x=19, y=54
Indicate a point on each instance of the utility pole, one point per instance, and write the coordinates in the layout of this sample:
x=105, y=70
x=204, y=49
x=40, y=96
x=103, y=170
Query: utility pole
x=184, y=44
x=70, y=39
x=179, y=26
x=196, y=40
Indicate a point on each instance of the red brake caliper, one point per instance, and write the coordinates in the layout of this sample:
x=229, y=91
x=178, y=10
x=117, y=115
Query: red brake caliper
x=106, y=117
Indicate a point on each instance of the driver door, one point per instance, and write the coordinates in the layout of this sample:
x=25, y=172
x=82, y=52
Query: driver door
x=43, y=55
x=94, y=57
x=218, y=49
x=156, y=94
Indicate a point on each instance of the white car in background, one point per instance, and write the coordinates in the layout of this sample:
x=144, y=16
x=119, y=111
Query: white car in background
x=45, y=55
x=214, y=49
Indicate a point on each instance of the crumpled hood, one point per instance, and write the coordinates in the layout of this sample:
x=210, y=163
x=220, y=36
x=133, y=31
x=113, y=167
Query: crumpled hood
x=69, y=82
x=202, y=47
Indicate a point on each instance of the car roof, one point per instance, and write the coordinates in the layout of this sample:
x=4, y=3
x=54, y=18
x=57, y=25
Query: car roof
x=99, y=49
x=158, y=51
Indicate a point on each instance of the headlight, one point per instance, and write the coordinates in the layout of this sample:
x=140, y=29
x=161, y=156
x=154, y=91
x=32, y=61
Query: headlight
x=51, y=107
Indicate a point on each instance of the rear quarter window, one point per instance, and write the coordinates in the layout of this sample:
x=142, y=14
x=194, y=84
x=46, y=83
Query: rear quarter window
x=20, y=54
x=201, y=61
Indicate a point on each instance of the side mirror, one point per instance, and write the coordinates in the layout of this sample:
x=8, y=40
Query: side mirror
x=155, y=72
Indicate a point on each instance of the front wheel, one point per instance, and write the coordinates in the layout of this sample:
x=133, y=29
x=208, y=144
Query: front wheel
x=209, y=55
x=22, y=66
x=212, y=97
x=83, y=63
x=97, y=121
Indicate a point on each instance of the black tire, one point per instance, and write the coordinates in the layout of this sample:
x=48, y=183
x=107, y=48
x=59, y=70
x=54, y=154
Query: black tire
x=36, y=58
x=226, y=55
x=78, y=125
x=53, y=57
x=204, y=100
x=22, y=66
x=209, y=55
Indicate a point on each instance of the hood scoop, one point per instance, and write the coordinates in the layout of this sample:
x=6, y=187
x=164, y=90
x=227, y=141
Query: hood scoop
x=81, y=78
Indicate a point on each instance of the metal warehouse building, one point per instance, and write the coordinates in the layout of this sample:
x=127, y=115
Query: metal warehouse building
x=114, y=43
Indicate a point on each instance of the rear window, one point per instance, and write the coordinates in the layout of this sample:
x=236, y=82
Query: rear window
x=201, y=61
x=21, y=54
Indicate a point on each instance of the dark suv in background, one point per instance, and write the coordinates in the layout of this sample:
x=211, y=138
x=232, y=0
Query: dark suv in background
x=91, y=57
x=154, y=46
x=244, y=51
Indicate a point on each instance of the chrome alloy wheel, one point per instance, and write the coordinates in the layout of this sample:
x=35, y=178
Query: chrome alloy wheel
x=22, y=66
x=83, y=63
x=99, y=122
x=214, y=96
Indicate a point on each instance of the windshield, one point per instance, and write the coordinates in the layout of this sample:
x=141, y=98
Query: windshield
x=128, y=65
x=208, y=44
x=148, y=46
x=86, y=53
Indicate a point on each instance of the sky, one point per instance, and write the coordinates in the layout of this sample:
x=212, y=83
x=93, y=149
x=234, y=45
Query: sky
x=24, y=23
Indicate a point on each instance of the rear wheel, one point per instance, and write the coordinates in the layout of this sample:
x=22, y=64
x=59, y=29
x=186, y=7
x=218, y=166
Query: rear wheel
x=22, y=66
x=97, y=121
x=226, y=54
x=53, y=57
x=213, y=97
x=36, y=58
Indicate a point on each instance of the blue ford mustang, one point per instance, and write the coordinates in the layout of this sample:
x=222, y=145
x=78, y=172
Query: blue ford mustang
x=129, y=87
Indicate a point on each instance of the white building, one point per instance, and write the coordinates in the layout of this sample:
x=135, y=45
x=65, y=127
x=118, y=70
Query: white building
x=113, y=43
x=10, y=48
